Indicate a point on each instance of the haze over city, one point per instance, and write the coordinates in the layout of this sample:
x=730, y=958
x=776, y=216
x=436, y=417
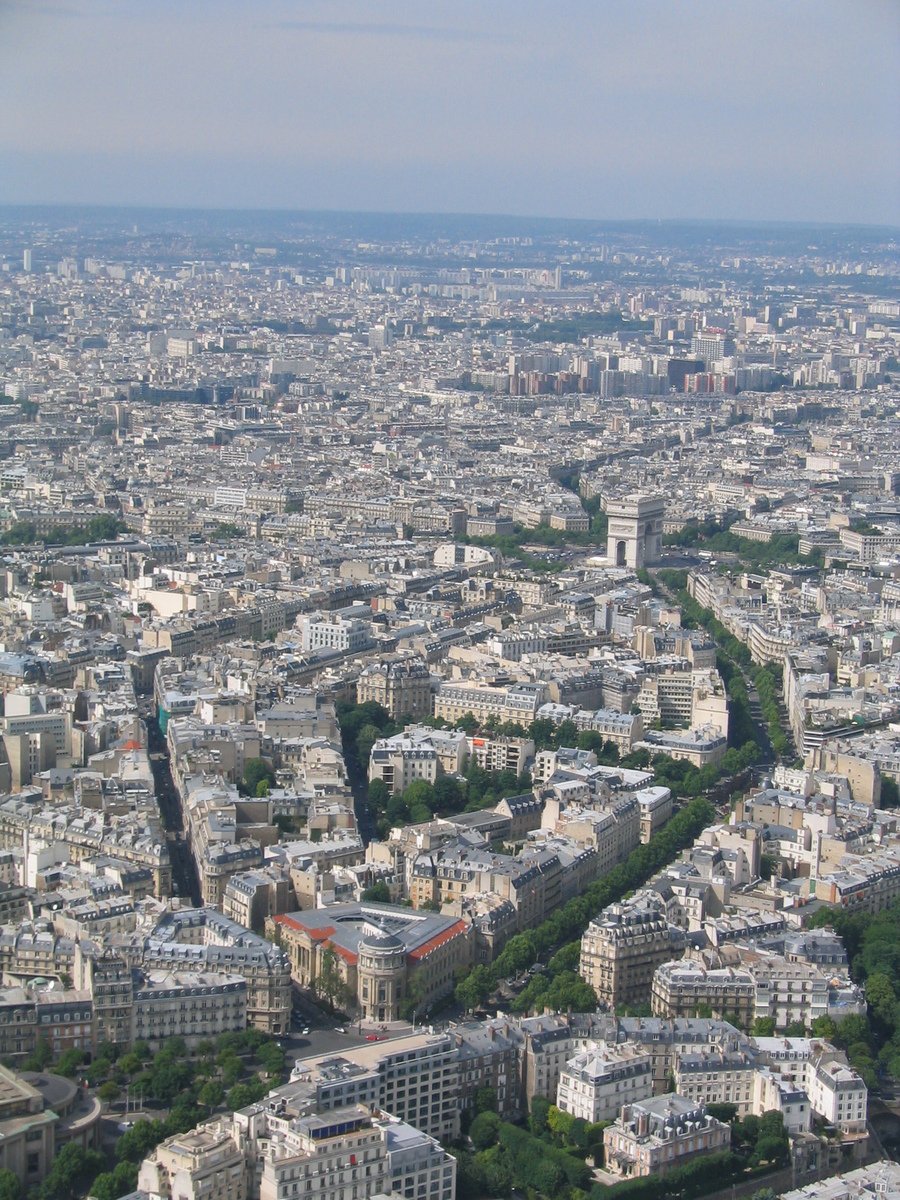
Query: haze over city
x=580, y=109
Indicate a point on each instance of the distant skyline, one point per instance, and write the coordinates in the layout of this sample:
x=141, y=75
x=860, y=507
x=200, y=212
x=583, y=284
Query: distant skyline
x=611, y=109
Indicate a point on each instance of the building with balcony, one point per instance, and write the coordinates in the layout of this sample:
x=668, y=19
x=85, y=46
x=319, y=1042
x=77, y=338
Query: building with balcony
x=622, y=948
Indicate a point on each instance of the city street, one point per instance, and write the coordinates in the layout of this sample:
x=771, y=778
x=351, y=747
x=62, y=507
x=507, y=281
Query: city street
x=184, y=872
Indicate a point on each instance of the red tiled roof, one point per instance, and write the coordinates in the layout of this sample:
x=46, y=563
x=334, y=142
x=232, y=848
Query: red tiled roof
x=317, y=935
x=439, y=939
x=347, y=955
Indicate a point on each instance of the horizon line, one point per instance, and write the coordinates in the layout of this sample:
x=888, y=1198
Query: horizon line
x=808, y=223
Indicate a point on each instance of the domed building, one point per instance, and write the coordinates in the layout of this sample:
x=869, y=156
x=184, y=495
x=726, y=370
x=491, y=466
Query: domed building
x=385, y=961
x=380, y=974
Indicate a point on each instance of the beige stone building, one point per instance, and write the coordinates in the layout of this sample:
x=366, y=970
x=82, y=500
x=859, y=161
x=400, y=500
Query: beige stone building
x=195, y=1006
x=597, y=1081
x=518, y=702
x=335, y=1156
x=402, y=686
x=206, y=1163
x=687, y=989
x=375, y=958
x=622, y=948
x=27, y=1130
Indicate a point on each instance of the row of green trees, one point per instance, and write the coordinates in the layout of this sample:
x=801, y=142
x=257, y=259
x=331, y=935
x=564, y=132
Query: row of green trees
x=768, y=682
x=732, y=654
x=741, y=726
x=97, y=529
x=560, y=985
x=782, y=549
x=695, y=615
x=873, y=947
x=687, y=781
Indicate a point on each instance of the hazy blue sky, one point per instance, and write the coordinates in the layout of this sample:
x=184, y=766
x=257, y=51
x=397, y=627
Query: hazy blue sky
x=593, y=108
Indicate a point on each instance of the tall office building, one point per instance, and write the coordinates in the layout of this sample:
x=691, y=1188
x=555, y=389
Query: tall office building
x=711, y=345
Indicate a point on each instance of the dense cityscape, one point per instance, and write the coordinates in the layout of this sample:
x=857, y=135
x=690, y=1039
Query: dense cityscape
x=450, y=737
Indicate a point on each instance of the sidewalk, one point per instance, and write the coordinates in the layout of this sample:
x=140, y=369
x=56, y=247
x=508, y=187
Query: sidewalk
x=383, y=1029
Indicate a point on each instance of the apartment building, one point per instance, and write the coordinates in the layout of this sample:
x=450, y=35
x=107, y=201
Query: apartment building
x=501, y=753
x=610, y=826
x=335, y=1154
x=530, y=881
x=64, y=1019
x=867, y=882
x=18, y=1024
x=344, y=1153
x=418, y=1166
x=837, y=1092
x=687, y=989
x=135, y=836
x=656, y=809
x=402, y=687
x=799, y=1077
x=205, y=1162
x=327, y=631
x=601, y=1078
x=517, y=703
x=417, y=753
x=789, y=991
x=622, y=948
x=251, y=896
x=712, y=1077
x=195, y=1006
x=204, y=940
x=418, y=1078
x=622, y=729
